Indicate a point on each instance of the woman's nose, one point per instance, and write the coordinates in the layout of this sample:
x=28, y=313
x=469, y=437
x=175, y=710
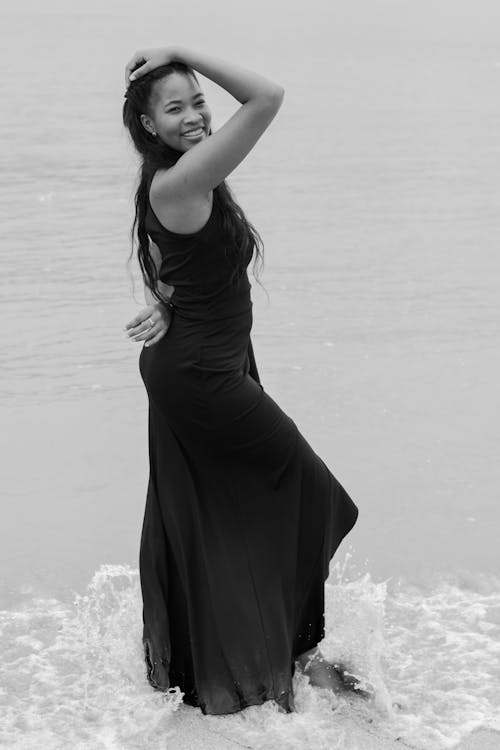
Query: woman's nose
x=193, y=117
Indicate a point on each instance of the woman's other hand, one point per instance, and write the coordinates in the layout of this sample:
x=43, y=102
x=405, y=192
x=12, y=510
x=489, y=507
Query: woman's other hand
x=140, y=328
x=150, y=59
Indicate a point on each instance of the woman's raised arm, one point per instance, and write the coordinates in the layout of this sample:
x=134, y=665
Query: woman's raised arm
x=209, y=162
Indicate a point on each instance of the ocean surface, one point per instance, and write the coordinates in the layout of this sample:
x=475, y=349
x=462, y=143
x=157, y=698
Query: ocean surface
x=376, y=191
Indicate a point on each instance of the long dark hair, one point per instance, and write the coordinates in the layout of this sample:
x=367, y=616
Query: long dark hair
x=156, y=154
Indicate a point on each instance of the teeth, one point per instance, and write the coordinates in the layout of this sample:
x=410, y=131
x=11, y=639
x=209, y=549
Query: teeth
x=194, y=132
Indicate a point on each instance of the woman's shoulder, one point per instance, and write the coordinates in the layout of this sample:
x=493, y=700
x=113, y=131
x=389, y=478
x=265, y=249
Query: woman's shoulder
x=186, y=215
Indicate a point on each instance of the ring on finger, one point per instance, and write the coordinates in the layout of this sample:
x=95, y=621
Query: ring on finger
x=151, y=322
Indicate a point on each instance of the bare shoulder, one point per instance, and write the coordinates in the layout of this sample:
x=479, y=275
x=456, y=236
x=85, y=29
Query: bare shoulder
x=181, y=215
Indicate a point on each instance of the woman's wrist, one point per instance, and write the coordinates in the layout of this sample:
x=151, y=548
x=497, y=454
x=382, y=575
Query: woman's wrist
x=176, y=53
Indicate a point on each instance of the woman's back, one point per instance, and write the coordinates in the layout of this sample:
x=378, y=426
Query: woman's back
x=210, y=281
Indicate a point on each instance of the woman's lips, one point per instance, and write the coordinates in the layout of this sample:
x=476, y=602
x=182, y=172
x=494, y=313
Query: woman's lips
x=195, y=133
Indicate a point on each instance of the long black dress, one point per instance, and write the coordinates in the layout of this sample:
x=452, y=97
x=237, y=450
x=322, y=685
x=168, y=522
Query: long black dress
x=242, y=517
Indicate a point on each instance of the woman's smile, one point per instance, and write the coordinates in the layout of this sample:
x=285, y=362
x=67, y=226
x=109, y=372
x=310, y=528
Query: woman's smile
x=195, y=133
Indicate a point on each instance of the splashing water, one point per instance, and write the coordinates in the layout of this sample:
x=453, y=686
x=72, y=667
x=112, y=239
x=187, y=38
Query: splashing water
x=73, y=675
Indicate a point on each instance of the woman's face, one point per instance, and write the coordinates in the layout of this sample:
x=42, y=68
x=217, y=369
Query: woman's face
x=178, y=106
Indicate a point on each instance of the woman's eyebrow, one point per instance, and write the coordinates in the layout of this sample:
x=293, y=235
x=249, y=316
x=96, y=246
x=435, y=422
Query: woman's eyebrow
x=179, y=101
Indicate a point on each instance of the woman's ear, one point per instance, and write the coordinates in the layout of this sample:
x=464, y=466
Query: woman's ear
x=147, y=124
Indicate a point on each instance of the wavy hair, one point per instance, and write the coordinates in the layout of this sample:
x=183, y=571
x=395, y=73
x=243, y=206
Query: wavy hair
x=155, y=154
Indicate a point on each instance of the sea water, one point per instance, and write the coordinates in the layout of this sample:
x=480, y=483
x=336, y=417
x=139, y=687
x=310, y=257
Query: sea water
x=73, y=672
x=376, y=192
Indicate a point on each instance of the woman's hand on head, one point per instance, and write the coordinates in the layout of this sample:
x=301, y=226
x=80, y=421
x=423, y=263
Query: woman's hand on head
x=150, y=59
x=140, y=328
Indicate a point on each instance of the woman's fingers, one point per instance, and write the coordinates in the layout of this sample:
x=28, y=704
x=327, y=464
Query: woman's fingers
x=150, y=311
x=146, y=332
x=150, y=59
x=135, y=60
x=140, y=328
x=139, y=318
x=146, y=60
x=139, y=333
x=141, y=71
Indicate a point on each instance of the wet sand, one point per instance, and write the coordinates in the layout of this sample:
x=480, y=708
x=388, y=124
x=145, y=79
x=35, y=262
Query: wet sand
x=189, y=732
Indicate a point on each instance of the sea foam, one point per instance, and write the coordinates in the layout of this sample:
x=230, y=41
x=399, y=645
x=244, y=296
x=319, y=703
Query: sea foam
x=72, y=674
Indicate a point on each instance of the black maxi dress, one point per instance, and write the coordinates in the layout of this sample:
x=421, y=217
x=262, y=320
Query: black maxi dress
x=242, y=517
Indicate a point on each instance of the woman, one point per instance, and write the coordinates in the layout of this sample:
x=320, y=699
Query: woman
x=242, y=517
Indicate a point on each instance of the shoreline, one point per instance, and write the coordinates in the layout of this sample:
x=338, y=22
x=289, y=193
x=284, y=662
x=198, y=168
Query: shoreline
x=190, y=730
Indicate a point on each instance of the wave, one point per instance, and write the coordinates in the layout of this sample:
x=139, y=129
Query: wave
x=72, y=674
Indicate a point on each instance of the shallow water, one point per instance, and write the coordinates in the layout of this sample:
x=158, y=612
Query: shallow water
x=73, y=675
x=379, y=338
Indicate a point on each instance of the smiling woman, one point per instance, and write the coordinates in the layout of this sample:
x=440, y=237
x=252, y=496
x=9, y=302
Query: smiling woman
x=242, y=517
x=162, y=104
x=179, y=111
x=181, y=119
